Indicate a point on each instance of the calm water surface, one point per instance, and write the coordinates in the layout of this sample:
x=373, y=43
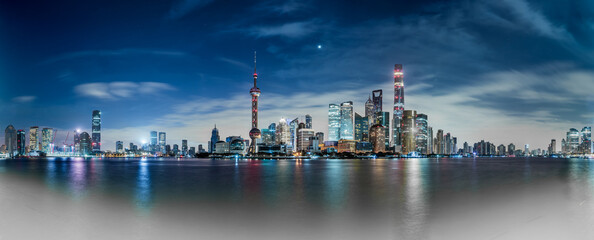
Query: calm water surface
x=481, y=198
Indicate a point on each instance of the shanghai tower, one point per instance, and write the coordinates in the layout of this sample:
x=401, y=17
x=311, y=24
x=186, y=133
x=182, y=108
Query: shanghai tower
x=398, y=107
x=255, y=92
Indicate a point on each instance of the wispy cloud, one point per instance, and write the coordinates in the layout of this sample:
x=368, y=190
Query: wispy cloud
x=120, y=90
x=185, y=7
x=24, y=99
x=233, y=62
x=284, y=7
x=288, y=30
x=116, y=52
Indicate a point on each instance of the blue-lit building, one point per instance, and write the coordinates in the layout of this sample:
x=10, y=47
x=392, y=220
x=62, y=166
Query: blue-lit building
x=346, y=121
x=333, y=122
x=21, y=139
x=96, y=130
x=361, y=128
x=214, y=138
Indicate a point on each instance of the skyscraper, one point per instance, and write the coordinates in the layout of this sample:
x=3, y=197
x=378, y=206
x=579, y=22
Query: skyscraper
x=305, y=136
x=573, y=140
x=153, y=140
x=320, y=136
x=408, y=131
x=293, y=127
x=361, y=128
x=76, y=140
x=34, y=139
x=47, y=137
x=255, y=93
x=283, y=133
x=308, y=122
x=553, y=147
x=369, y=112
x=398, y=106
x=346, y=121
x=21, y=137
x=184, y=147
x=85, y=143
x=439, y=144
x=10, y=140
x=430, y=149
x=96, y=130
x=377, y=97
x=586, y=144
x=377, y=138
x=162, y=141
x=384, y=120
x=214, y=138
x=421, y=135
x=333, y=122
x=119, y=147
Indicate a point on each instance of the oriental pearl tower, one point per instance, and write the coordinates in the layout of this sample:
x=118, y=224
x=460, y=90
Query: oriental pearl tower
x=255, y=132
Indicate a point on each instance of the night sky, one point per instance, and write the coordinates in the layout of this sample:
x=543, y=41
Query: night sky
x=503, y=70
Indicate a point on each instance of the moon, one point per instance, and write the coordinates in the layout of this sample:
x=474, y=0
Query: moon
x=319, y=46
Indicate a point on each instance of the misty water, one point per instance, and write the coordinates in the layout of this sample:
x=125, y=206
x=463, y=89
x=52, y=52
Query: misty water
x=465, y=198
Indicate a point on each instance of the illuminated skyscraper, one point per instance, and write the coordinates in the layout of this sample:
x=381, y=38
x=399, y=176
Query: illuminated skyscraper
x=85, y=144
x=408, y=131
x=162, y=141
x=377, y=96
x=430, y=149
x=10, y=140
x=384, y=120
x=333, y=122
x=586, y=145
x=21, y=137
x=153, y=140
x=346, y=121
x=293, y=127
x=421, y=134
x=439, y=143
x=184, y=146
x=308, y=122
x=47, y=138
x=398, y=106
x=369, y=112
x=377, y=138
x=320, y=136
x=255, y=92
x=283, y=133
x=96, y=130
x=573, y=140
x=305, y=136
x=214, y=138
x=361, y=128
x=553, y=147
x=119, y=147
x=511, y=148
x=34, y=139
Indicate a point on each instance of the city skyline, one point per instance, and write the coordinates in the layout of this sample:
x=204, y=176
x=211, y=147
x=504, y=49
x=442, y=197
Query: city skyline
x=502, y=95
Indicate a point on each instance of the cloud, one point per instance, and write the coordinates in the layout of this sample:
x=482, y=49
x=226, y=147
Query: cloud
x=119, y=90
x=233, y=62
x=185, y=7
x=288, y=30
x=117, y=52
x=284, y=7
x=24, y=99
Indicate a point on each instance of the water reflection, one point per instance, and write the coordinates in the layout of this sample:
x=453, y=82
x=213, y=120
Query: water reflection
x=142, y=194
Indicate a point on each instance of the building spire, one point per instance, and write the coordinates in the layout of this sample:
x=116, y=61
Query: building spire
x=255, y=62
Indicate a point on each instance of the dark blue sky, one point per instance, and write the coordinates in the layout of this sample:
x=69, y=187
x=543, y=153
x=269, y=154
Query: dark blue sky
x=502, y=70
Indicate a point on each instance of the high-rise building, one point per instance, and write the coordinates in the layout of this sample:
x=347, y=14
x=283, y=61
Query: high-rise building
x=308, y=122
x=501, y=150
x=293, y=127
x=439, y=143
x=96, y=130
x=283, y=133
x=119, y=147
x=552, y=147
x=76, y=141
x=361, y=128
x=34, y=139
x=21, y=139
x=272, y=129
x=511, y=148
x=162, y=141
x=153, y=140
x=201, y=149
x=377, y=138
x=527, y=149
x=346, y=121
x=47, y=138
x=10, y=140
x=255, y=93
x=422, y=134
x=573, y=141
x=333, y=122
x=398, y=106
x=320, y=136
x=377, y=97
x=408, y=131
x=369, y=111
x=268, y=136
x=184, y=147
x=384, y=120
x=214, y=138
x=85, y=144
x=430, y=149
x=447, y=141
x=586, y=144
x=305, y=137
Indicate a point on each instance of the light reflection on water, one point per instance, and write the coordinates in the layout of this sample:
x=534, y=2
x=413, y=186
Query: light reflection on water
x=401, y=192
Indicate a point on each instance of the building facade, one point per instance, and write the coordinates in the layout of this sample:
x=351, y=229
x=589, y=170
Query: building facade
x=398, y=106
x=96, y=130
